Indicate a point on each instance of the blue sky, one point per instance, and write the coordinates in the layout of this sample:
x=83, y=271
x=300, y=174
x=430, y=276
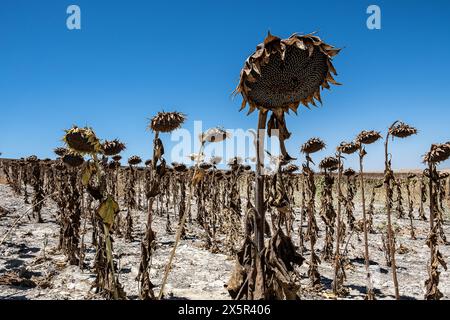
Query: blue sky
x=134, y=58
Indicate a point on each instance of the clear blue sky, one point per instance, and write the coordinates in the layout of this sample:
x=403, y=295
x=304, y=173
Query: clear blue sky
x=133, y=58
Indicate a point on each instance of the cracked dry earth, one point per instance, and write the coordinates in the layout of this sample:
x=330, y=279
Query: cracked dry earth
x=30, y=252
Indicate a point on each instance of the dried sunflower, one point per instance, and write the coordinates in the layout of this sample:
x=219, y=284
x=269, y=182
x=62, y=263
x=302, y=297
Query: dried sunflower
x=438, y=153
x=112, y=148
x=348, y=147
x=312, y=145
x=402, y=130
x=117, y=158
x=60, y=151
x=349, y=172
x=368, y=137
x=113, y=165
x=82, y=140
x=134, y=160
x=281, y=74
x=73, y=159
x=167, y=121
x=32, y=159
x=330, y=163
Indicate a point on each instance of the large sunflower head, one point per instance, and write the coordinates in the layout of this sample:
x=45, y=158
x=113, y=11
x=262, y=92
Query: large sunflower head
x=112, y=148
x=166, y=121
x=283, y=73
x=312, y=145
x=82, y=140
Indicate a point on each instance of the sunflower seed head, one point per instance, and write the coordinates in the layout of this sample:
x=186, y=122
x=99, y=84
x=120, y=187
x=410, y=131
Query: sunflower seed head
x=167, y=121
x=368, y=137
x=295, y=83
x=330, y=163
x=348, y=147
x=349, y=172
x=60, y=151
x=134, y=160
x=82, y=140
x=438, y=153
x=312, y=145
x=402, y=130
x=112, y=148
x=73, y=159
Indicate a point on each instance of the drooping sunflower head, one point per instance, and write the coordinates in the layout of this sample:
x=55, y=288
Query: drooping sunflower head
x=60, y=151
x=349, y=172
x=283, y=73
x=247, y=167
x=348, y=147
x=117, y=158
x=438, y=153
x=368, y=137
x=312, y=145
x=73, y=159
x=113, y=165
x=82, y=140
x=148, y=162
x=112, y=148
x=166, y=121
x=402, y=130
x=134, y=160
x=329, y=163
x=32, y=159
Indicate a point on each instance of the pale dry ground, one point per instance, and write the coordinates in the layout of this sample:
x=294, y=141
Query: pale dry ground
x=197, y=273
